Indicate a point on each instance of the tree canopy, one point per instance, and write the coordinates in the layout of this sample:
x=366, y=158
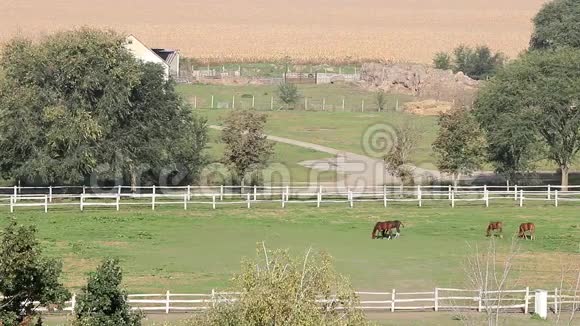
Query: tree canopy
x=77, y=103
x=557, y=25
x=478, y=63
x=530, y=110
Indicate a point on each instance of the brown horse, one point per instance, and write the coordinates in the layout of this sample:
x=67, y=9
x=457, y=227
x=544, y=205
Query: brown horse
x=527, y=227
x=386, y=228
x=495, y=226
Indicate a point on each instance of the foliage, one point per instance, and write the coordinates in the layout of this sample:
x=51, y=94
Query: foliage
x=460, y=145
x=102, y=302
x=288, y=93
x=398, y=158
x=381, y=99
x=442, y=60
x=478, y=63
x=78, y=102
x=26, y=276
x=557, y=25
x=278, y=289
x=531, y=106
x=247, y=148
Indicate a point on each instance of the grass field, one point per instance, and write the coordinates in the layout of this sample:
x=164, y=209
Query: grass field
x=306, y=30
x=199, y=249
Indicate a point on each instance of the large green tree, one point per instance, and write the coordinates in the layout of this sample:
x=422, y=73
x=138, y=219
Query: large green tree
x=557, y=25
x=531, y=108
x=26, y=276
x=460, y=144
x=78, y=100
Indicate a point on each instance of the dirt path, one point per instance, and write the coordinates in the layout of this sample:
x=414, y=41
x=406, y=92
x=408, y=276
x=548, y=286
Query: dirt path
x=359, y=170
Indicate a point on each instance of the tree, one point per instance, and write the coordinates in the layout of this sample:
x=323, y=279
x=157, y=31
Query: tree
x=398, y=158
x=442, y=60
x=247, y=149
x=531, y=106
x=79, y=100
x=26, y=276
x=557, y=25
x=478, y=63
x=288, y=94
x=103, y=302
x=460, y=145
x=381, y=99
x=278, y=289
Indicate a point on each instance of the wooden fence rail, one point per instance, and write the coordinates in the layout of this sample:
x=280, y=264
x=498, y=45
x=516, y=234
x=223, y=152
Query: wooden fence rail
x=316, y=195
x=440, y=299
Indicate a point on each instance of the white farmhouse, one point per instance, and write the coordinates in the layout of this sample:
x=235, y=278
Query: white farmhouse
x=167, y=58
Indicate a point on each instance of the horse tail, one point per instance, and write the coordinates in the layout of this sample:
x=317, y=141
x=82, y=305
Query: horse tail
x=373, y=235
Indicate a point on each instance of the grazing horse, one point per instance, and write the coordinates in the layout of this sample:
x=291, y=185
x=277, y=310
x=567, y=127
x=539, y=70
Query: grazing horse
x=495, y=226
x=527, y=227
x=387, y=227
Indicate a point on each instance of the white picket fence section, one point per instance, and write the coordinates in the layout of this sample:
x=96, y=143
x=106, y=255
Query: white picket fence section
x=315, y=195
x=439, y=299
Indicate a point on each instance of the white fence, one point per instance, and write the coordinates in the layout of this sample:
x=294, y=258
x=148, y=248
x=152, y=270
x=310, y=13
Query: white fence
x=439, y=299
x=214, y=196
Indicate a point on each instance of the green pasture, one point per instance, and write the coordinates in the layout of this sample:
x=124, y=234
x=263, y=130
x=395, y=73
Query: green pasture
x=199, y=249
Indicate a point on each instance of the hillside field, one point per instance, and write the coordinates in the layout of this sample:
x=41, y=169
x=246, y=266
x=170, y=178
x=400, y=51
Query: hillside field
x=321, y=30
x=199, y=249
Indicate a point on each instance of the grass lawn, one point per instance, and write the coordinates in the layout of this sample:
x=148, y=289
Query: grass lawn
x=343, y=130
x=199, y=249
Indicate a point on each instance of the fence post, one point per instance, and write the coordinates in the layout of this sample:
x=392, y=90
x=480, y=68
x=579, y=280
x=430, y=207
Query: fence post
x=185, y=202
x=84, y=190
x=343, y=103
x=393, y=301
x=324, y=104
x=11, y=204
x=362, y=108
x=82, y=201
x=436, y=299
x=212, y=297
x=118, y=189
x=515, y=192
x=45, y=203
x=195, y=102
x=453, y=199
x=167, y=298
x=397, y=106
x=253, y=102
x=287, y=193
x=419, y=197
x=351, y=199
x=449, y=192
x=248, y=199
x=271, y=103
x=549, y=192
x=556, y=198
x=305, y=103
x=233, y=102
x=212, y=102
x=521, y=198
x=527, y=301
x=385, y=195
x=485, y=196
x=213, y=201
x=221, y=192
x=50, y=193
x=255, y=192
x=153, y=199
x=283, y=201
x=73, y=303
x=318, y=199
x=188, y=192
x=556, y=307
x=479, y=301
x=15, y=193
x=118, y=201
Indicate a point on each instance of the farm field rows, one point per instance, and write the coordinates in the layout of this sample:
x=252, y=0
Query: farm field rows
x=231, y=30
x=168, y=248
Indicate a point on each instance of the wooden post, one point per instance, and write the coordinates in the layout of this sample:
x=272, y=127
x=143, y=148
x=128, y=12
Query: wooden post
x=118, y=201
x=485, y=196
x=449, y=192
x=185, y=202
x=397, y=106
x=453, y=199
x=419, y=197
x=84, y=190
x=253, y=102
x=118, y=189
x=343, y=100
x=515, y=192
x=527, y=301
x=556, y=198
x=556, y=301
x=351, y=199
x=480, y=302
x=287, y=193
x=362, y=108
x=385, y=195
x=195, y=102
x=12, y=204
x=318, y=199
x=393, y=296
x=212, y=102
x=45, y=204
x=73, y=303
x=272, y=103
x=436, y=299
x=167, y=298
x=248, y=199
x=233, y=102
x=549, y=194
x=306, y=104
x=255, y=193
x=283, y=201
x=82, y=201
x=221, y=192
x=15, y=193
x=213, y=201
x=188, y=192
x=153, y=199
x=213, y=298
x=50, y=193
x=521, y=198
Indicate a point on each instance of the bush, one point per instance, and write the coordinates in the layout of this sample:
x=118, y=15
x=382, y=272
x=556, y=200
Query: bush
x=288, y=94
x=442, y=61
x=277, y=289
x=26, y=276
x=102, y=302
x=477, y=63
